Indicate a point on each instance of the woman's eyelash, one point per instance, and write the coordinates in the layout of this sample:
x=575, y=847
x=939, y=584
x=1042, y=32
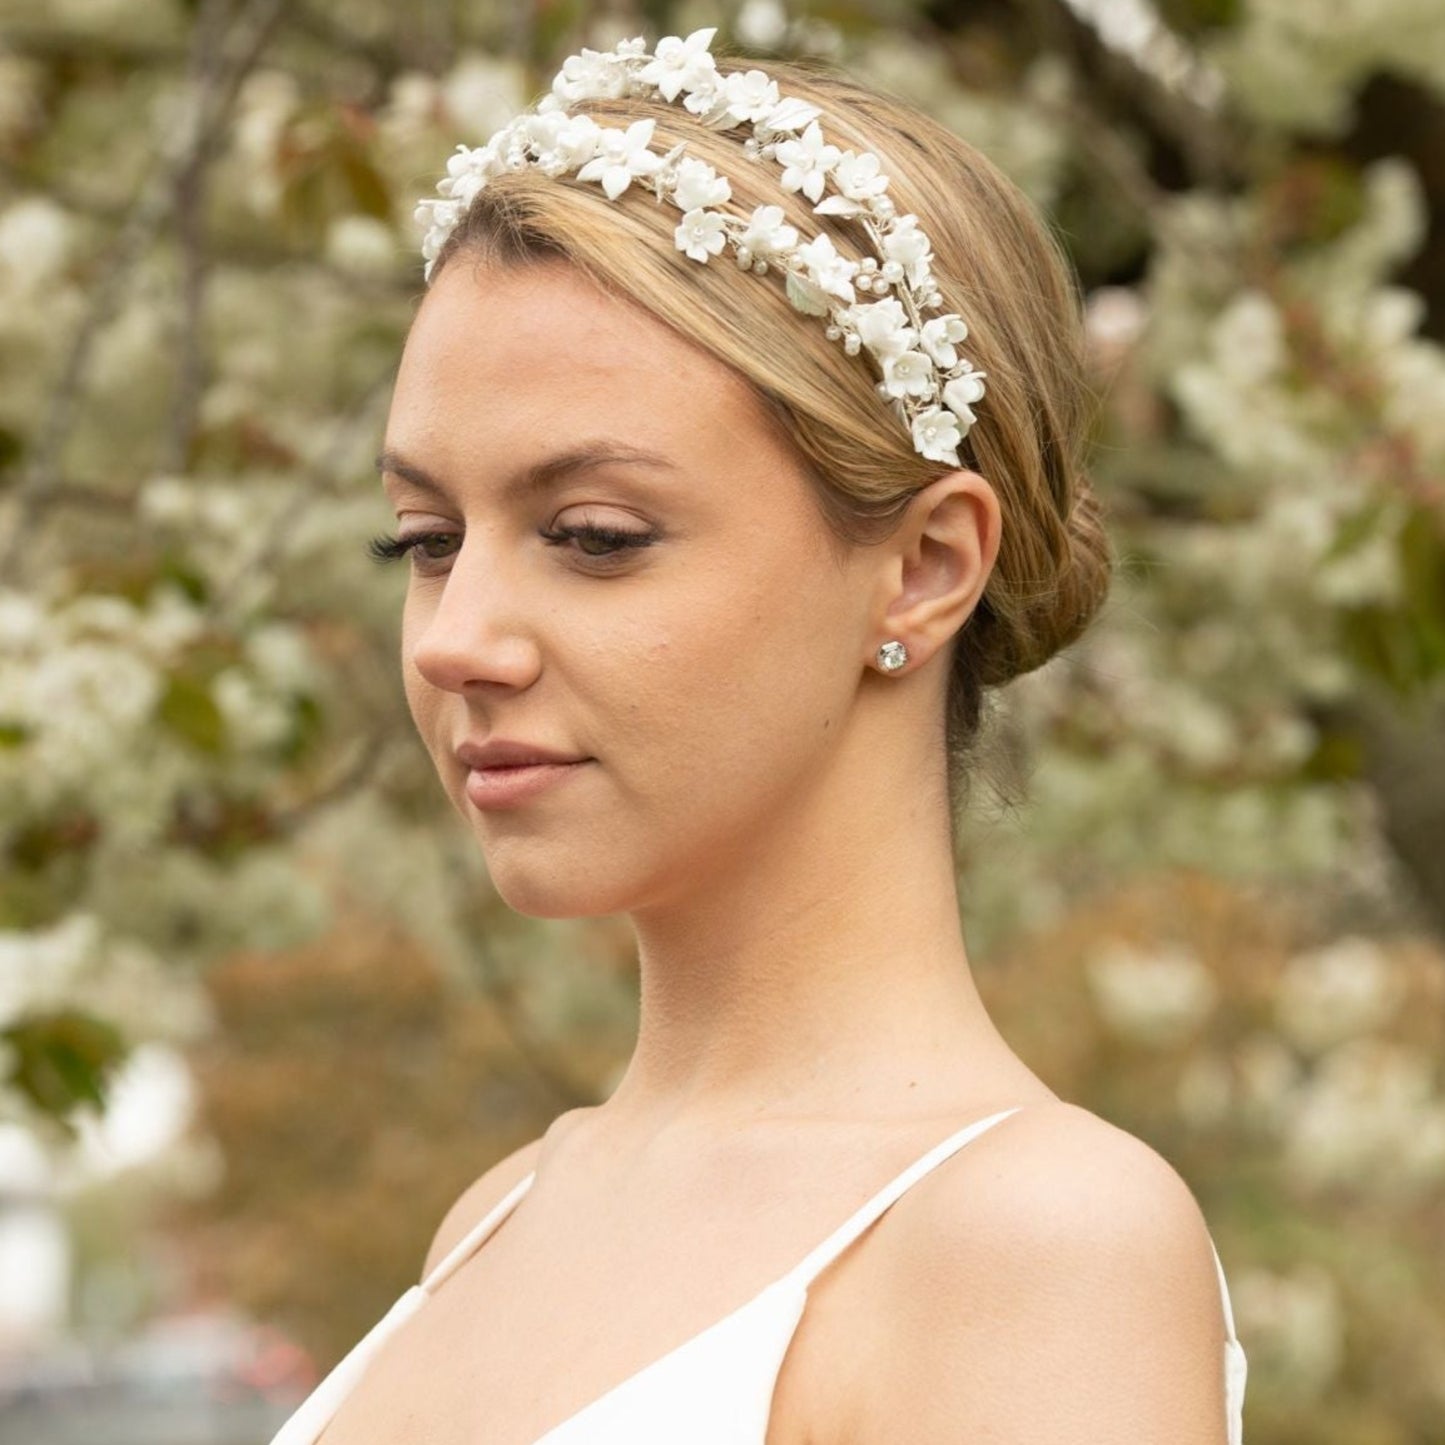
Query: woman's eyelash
x=618, y=539
x=389, y=549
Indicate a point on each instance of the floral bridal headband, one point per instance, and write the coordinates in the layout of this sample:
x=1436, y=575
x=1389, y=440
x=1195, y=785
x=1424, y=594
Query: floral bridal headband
x=930, y=387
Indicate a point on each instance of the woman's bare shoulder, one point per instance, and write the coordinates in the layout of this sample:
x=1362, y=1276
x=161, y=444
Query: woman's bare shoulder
x=1056, y=1165
x=1057, y=1187
x=483, y=1194
x=1059, y=1248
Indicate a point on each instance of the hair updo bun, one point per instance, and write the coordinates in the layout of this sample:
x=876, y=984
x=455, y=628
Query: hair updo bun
x=998, y=265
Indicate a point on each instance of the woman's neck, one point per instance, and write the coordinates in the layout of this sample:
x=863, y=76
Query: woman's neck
x=819, y=969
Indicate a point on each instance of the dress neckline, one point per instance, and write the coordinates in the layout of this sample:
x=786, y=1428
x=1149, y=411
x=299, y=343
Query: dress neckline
x=308, y=1424
x=503, y=1211
x=764, y=1295
x=794, y=1282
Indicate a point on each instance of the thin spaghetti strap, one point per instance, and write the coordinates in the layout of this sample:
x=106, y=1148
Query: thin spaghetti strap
x=476, y=1235
x=1236, y=1363
x=809, y=1269
x=1224, y=1290
x=322, y=1403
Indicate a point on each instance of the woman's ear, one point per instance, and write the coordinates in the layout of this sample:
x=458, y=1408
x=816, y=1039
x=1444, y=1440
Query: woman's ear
x=937, y=563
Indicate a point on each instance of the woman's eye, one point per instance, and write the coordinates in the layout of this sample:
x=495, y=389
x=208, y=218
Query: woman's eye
x=389, y=549
x=609, y=541
x=597, y=543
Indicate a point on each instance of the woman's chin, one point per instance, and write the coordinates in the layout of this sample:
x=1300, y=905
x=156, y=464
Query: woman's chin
x=551, y=891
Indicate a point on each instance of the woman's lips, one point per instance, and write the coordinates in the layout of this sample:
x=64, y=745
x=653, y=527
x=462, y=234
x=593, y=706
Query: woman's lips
x=509, y=785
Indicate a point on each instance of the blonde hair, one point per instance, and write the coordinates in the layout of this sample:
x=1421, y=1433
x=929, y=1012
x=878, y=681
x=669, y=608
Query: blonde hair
x=997, y=264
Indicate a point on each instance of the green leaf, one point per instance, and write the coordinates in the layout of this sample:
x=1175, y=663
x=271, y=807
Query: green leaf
x=307, y=729
x=365, y=183
x=1422, y=567
x=39, y=841
x=173, y=568
x=1195, y=16
x=805, y=296
x=189, y=711
x=1337, y=757
x=1356, y=529
x=12, y=448
x=64, y=1059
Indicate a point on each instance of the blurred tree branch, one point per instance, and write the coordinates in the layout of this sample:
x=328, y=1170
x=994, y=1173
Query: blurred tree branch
x=211, y=96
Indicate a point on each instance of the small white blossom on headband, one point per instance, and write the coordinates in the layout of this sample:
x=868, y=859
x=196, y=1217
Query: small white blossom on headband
x=766, y=233
x=789, y=114
x=960, y=393
x=907, y=245
x=751, y=95
x=806, y=162
x=826, y=268
x=921, y=376
x=936, y=434
x=910, y=373
x=592, y=75
x=884, y=327
x=859, y=177
x=939, y=336
x=701, y=234
x=621, y=155
x=697, y=184
x=681, y=64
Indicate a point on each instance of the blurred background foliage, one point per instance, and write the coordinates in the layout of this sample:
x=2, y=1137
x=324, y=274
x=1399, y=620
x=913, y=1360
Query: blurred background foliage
x=1214, y=910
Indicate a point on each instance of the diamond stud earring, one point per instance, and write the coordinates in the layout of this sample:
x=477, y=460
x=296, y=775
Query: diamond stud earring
x=892, y=655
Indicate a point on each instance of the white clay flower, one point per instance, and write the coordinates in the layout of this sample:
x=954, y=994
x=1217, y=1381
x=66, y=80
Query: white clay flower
x=939, y=336
x=572, y=138
x=907, y=245
x=858, y=176
x=751, y=94
x=592, y=75
x=910, y=373
x=790, y=114
x=540, y=130
x=959, y=395
x=806, y=162
x=883, y=327
x=827, y=269
x=577, y=142
x=709, y=102
x=700, y=234
x=697, y=184
x=621, y=155
x=766, y=234
x=468, y=170
x=440, y=217
x=465, y=188
x=468, y=161
x=936, y=435
x=682, y=64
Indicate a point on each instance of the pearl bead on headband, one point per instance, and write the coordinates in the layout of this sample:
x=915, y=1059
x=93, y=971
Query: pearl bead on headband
x=924, y=380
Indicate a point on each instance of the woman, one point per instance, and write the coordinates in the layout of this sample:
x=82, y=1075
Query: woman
x=710, y=568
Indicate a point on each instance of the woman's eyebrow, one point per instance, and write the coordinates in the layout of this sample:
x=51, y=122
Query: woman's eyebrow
x=539, y=476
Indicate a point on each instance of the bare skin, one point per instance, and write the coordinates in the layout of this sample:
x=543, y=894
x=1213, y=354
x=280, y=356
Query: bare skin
x=770, y=811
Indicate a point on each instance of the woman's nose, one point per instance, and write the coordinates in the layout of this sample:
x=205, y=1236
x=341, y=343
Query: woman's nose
x=474, y=632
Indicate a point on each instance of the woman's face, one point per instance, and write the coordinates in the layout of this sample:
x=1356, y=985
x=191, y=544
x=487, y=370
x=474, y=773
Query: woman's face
x=707, y=676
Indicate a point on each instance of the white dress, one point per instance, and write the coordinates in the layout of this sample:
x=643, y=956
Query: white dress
x=717, y=1387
